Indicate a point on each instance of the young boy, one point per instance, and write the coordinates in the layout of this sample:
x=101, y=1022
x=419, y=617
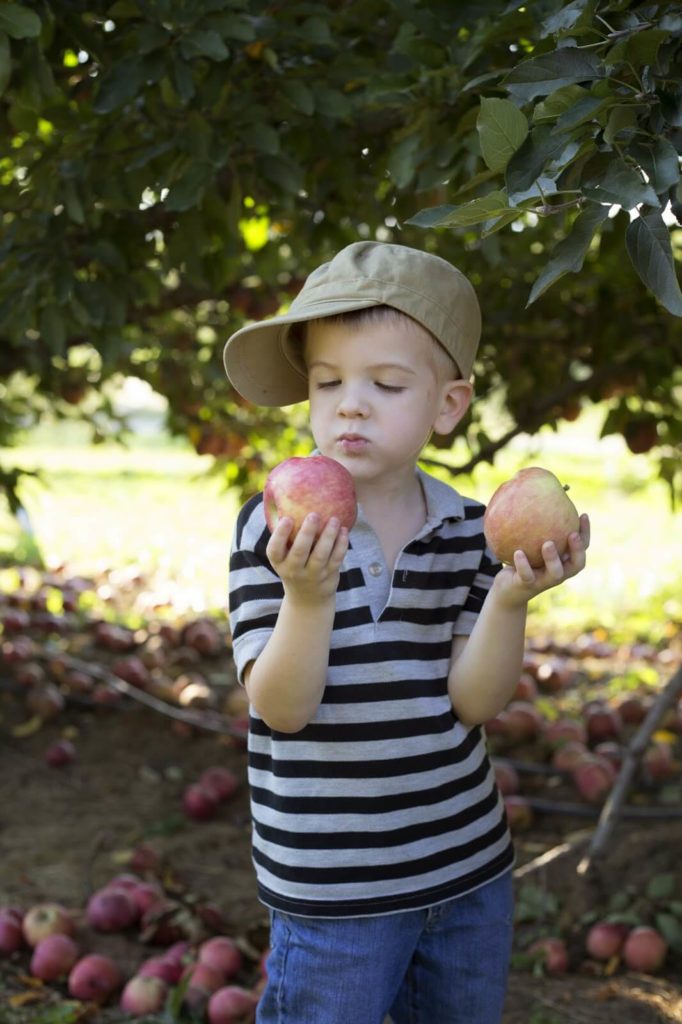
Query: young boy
x=371, y=661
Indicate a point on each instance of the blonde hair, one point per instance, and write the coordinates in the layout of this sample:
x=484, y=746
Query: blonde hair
x=443, y=365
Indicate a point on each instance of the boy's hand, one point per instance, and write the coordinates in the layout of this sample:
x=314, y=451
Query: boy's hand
x=309, y=568
x=518, y=583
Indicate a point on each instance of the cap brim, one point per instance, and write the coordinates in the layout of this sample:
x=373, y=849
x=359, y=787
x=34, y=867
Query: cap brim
x=256, y=362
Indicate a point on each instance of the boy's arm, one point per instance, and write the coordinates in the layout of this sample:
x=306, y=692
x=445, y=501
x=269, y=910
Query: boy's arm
x=485, y=666
x=286, y=681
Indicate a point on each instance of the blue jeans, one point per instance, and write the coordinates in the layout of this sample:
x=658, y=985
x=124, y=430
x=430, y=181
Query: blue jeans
x=444, y=965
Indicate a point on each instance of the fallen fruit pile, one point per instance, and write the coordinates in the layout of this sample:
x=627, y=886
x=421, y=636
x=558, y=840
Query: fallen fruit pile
x=58, y=946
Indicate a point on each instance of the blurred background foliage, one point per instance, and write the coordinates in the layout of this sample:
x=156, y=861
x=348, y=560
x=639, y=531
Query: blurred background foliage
x=172, y=170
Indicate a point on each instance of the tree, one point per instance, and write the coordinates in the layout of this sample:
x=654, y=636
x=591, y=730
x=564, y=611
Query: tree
x=171, y=169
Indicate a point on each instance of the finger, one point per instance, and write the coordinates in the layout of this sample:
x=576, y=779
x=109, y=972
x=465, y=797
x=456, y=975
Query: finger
x=585, y=529
x=305, y=538
x=524, y=569
x=278, y=545
x=552, y=560
x=324, y=544
x=340, y=548
x=576, y=555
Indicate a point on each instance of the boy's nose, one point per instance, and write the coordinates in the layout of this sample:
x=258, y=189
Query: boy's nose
x=351, y=403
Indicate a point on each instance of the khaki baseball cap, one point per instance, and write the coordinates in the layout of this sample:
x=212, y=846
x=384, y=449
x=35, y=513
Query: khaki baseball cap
x=259, y=363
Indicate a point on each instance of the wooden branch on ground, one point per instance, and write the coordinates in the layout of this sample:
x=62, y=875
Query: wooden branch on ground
x=212, y=721
x=613, y=808
x=555, y=853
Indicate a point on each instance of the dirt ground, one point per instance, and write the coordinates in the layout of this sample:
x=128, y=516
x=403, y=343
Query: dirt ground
x=64, y=832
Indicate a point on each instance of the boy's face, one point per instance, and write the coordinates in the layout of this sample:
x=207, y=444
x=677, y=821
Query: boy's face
x=376, y=395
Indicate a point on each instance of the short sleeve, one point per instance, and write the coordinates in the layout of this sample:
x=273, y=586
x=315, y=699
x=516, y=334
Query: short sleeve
x=255, y=589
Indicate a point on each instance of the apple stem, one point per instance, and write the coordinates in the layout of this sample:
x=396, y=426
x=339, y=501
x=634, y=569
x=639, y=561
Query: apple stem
x=567, y=487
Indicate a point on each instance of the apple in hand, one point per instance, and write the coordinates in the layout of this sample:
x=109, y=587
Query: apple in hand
x=299, y=486
x=526, y=511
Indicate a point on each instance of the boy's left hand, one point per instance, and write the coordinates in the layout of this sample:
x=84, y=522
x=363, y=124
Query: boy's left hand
x=520, y=582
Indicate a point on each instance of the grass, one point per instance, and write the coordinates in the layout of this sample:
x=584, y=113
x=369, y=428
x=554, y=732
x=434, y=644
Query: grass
x=154, y=507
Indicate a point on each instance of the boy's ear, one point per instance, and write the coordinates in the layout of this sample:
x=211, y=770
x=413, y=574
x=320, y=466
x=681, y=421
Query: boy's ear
x=455, y=400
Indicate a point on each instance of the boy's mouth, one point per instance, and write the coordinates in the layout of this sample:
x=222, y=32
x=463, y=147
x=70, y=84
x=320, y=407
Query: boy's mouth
x=352, y=442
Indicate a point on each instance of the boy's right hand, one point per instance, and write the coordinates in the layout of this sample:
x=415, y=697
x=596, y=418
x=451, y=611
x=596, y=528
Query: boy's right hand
x=310, y=567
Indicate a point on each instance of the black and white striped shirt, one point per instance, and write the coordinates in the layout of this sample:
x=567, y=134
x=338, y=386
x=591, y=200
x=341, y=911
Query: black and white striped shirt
x=384, y=801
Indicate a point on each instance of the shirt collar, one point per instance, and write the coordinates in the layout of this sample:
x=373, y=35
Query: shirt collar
x=442, y=501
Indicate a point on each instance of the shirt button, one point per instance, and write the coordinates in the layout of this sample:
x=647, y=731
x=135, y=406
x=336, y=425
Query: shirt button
x=374, y=568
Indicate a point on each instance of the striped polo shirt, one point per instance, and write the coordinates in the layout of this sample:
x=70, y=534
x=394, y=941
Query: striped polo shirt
x=384, y=801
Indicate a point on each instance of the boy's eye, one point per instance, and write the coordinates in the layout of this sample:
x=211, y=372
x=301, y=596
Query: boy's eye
x=389, y=387
x=326, y=384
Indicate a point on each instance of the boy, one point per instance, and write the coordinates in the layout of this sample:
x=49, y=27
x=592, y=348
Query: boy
x=372, y=660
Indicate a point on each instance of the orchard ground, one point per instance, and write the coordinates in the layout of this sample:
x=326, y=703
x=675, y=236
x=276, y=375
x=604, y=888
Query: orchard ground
x=150, y=537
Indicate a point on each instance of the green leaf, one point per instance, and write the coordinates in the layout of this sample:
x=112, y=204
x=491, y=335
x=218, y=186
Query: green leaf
x=661, y=887
x=527, y=164
x=119, y=86
x=189, y=188
x=299, y=95
x=404, y=158
x=569, y=254
x=5, y=62
x=540, y=76
x=233, y=26
x=495, y=204
x=18, y=22
x=502, y=128
x=332, y=103
x=622, y=121
x=51, y=326
x=264, y=138
x=671, y=930
x=648, y=243
x=566, y=18
x=620, y=184
x=203, y=42
x=660, y=161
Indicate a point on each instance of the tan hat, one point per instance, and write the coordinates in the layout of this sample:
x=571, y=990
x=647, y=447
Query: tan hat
x=425, y=287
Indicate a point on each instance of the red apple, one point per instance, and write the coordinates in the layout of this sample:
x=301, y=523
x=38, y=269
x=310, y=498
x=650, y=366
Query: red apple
x=506, y=777
x=142, y=995
x=594, y=777
x=297, y=487
x=111, y=910
x=231, y=1004
x=222, y=954
x=162, y=967
x=519, y=813
x=11, y=935
x=526, y=511
x=658, y=762
x=202, y=976
x=526, y=688
x=60, y=753
x=198, y=802
x=45, y=919
x=605, y=939
x=94, y=978
x=53, y=957
x=568, y=755
x=559, y=732
x=645, y=950
x=523, y=720
x=602, y=723
x=552, y=953
x=220, y=781
x=632, y=710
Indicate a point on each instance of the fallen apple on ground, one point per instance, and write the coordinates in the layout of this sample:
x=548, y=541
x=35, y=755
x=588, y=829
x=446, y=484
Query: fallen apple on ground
x=299, y=486
x=526, y=511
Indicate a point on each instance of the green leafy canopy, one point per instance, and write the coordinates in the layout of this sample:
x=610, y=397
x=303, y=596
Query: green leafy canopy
x=173, y=169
